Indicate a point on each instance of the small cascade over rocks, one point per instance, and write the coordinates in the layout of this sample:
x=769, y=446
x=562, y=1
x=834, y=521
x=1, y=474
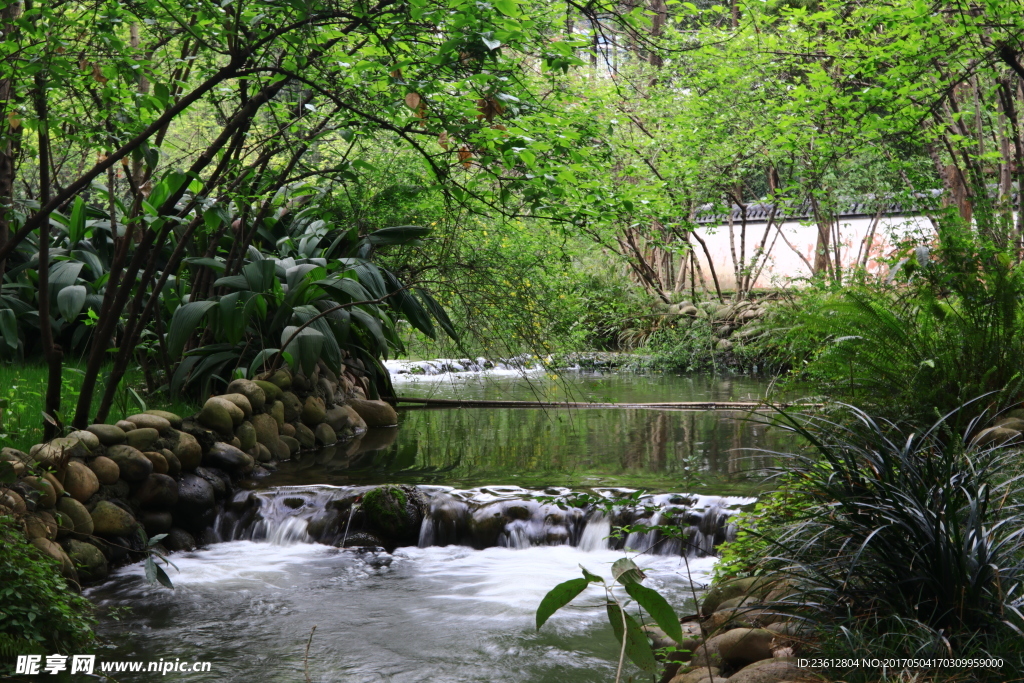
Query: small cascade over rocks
x=438, y=368
x=485, y=517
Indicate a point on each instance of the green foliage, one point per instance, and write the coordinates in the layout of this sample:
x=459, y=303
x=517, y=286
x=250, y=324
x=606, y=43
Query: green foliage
x=906, y=542
x=635, y=642
x=327, y=306
x=39, y=612
x=24, y=385
x=948, y=329
x=750, y=552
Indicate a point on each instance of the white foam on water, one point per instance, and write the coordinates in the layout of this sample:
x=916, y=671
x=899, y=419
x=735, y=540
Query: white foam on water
x=437, y=614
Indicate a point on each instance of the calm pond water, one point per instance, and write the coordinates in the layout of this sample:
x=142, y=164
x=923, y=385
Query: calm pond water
x=699, y=452
x=452, y=613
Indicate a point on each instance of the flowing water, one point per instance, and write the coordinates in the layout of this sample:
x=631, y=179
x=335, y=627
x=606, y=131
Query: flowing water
x=505, y=524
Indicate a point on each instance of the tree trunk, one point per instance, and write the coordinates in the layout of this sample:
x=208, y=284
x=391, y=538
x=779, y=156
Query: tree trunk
x=51, y=351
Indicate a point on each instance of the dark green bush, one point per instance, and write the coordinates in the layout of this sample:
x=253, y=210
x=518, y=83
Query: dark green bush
x=39, y=613
x=908, y=544
x=947, y=328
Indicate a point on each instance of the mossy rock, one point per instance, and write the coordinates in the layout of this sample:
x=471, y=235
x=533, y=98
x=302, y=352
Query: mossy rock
x=109, y=435
x=266, y=429
x=80, y=482
x=87, y=559
x=173, y=418
x=53, y=453
x=110, y=520
x=282, y=378
x=143, y=438
x=151, y=421
x=374, y=413
x=91, y=441
x=305, y=436
x=246, y=434
x=736, y=588
x=40, y=525
x=277, y=412
x=221, y=415
x=395, y=513
x=242, y=402
x=313, y=411
x=47, y=494
x=188, y=451
x=325, y=436
x=75, y=512
x=292, y=444
x=255, y=394
x=996, y=436
x=292, y=406
x=133, y=465
x=271, y=391
x=105, y=470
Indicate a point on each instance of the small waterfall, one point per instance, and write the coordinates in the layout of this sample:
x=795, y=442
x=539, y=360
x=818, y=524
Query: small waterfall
x=503, y=516
x=289, y=531
x=595, y=533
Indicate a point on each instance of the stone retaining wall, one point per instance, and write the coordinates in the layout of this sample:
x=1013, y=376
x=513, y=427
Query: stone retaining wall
x=84, y=497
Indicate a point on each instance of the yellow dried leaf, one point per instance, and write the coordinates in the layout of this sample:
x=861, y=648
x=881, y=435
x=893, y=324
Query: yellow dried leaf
x=14, y=120
x=413, y=101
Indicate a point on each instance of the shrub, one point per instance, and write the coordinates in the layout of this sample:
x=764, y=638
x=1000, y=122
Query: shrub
x=39, y=613
x=910, y=544
x=948, y=327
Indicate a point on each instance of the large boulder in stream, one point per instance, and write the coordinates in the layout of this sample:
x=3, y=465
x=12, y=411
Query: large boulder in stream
x=194, y=509
x=394, y=513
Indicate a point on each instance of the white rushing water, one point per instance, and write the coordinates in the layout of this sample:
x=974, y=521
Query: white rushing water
x=440, y=370
x=422, y=614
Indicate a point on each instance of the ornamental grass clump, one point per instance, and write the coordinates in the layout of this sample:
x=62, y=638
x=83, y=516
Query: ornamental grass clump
x=910, y=545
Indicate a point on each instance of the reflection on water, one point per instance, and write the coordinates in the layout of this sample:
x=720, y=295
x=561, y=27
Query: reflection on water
x=705, y=452
x=452, y=613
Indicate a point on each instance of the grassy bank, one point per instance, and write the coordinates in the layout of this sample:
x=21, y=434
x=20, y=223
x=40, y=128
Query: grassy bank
x=23, y=386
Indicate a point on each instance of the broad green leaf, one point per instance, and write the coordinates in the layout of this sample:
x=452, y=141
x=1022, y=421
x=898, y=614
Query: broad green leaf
x=625, y=571
x=259, y=275
x=401, y=234
x=76, y=225
x=257, y=363
x=659, y=609
x=409, y=306
x=373, y=325
x=232, y=281
x=215, y=263
x=305, y=347
x=70, y=301
x=345, y=290
x=166, y=188
x=592, y=578
x=507, y=7
x=64, y=273
x=440, y=315
x=162, y=577
x=184, y=323
x=9, y=327
x=637, y=647
x=558, y=597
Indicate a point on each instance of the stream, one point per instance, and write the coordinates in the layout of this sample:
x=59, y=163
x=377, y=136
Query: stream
x=499, y=534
